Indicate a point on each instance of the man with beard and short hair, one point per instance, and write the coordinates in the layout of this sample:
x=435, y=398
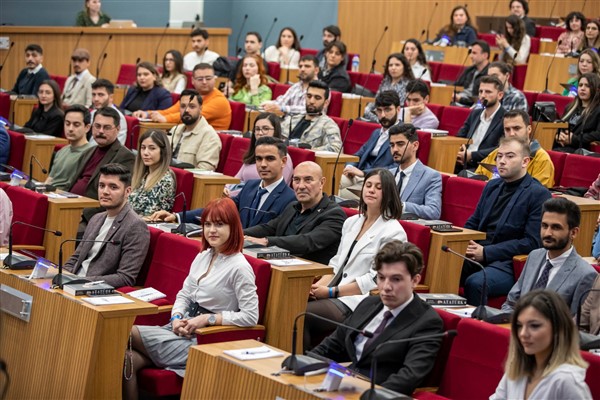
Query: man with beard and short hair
x=293, y=102
x=78, y=87
x=315, y=128
x=557, y=266
x=375, y=153
x=102, y=96
x=200, y=53
x=194, y=142
x=31, y=77
x=331, y=33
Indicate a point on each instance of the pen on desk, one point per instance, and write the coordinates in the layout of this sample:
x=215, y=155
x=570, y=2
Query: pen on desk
x=257, y=351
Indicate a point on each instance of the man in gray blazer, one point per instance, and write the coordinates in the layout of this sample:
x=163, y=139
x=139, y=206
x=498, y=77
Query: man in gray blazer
x=557, y=266
x=117, y=263
x=420, y=187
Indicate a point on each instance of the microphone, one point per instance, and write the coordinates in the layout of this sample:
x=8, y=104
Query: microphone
x=102, y=57
x=460, y=73
x=162, y=36
x=421, y=35
x=13, y=261
x=300, y=364
x=238, y=49
x=583, y=7
x=59, y=279
x=74, y=48
x=182, y=228
x=430, y=19
x=30, y=185
x=373, y=62
x=372, y=393
x=137, y=60
x=287, y=73
x=12, y=44
x=550, y=66
x=552, y=10
x=131, y=141
x=187, y=41
x=492, y=17
x=337, y=159
x=270, y=29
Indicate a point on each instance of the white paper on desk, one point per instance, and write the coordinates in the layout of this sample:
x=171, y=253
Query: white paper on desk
x=107, y=300
x=40, y=136
x=253, y=353
x=197, y=171
x=286, y=262
x=464, y=312
x=3, y=256
x=55, y=195
x=325, y=153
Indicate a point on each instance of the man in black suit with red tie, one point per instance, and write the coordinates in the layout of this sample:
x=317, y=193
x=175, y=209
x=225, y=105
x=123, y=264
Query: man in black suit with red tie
x=397, y=313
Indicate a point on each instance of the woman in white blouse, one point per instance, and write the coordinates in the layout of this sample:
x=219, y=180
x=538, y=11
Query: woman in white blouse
x=544, y=361
x=173, y=78
x=286, y=51
x=413, y=51
x=515, y=44
x=219, y=290
x=336, y=296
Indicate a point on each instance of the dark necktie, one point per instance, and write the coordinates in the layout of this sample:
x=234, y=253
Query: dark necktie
x=386, y=317
x=256, y=201
x=402, y=175
x=543, y=280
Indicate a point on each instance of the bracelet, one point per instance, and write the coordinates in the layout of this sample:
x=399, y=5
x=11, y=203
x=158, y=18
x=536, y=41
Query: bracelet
x=174, y=317
x=330, y=292
x=337, y=292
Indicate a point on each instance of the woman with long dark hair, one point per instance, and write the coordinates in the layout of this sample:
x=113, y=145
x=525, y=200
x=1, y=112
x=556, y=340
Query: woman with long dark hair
x=173, y=78
x=286, y=52
x=515, y=43
x=48, y=117
x=413, y=51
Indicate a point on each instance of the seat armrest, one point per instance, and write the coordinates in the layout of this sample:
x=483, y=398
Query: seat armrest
x=210, y=330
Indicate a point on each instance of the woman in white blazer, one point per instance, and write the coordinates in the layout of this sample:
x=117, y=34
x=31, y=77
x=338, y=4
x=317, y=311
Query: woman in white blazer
x=336, y=296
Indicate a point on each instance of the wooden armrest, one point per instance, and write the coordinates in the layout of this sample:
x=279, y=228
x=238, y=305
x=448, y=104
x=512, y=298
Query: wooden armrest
x=427, y=389
x=162, y=309
x=209, y=330
x=28, y=247
x=520, y=257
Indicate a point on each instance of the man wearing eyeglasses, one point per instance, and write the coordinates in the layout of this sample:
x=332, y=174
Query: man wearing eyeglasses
x=215, y=106
x=78, y=87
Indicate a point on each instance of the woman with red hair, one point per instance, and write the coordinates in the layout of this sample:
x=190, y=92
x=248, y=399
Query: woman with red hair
x=219, y=290
x=250, y=85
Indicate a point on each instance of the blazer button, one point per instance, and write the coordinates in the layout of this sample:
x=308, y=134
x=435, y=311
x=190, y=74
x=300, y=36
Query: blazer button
x=345, y=275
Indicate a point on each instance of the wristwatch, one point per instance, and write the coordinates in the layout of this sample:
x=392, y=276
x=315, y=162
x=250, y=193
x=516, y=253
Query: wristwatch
x=212, y=319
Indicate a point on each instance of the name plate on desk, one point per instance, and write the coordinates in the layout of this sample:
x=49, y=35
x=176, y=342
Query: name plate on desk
x=15, y=303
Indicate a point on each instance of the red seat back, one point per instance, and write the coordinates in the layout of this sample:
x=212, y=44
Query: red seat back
x=535, y=45
x=17, y=150
x=350, y=211
x=127, y=74
x=31, y=208
x=335, y=104
x=61, y=80
x=518, y=77
x=560, y=101
x=490, y=38
x=235, y=156
x=450, y=322
x=435, y=70
x=355, y=77
x=453, y=118
x=359, y=133
x=424, y=146
x=420, y=236
x=280, y=89
x=549, y=32
x=341, y=123
x=190, y=80
x=226, y=140
x=531, y=99
x=437, y=109
x=450, y=72
x=175, y=97
x=238, y=115
x=262, y=273
x=306, y=51
x=5, y=105
x=300, y=155
x=274, y=70
x=460, y=198
x=143, y=274
x=558, y=159
x=579, y=171
x=133, y=132
x=592, y=373
x=185, y=184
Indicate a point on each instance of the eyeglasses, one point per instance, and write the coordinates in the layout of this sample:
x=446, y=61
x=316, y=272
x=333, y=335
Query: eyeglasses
x=203, y=78
x=99, y=127
x=265, y=129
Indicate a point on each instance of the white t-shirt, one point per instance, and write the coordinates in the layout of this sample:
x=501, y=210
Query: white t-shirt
x=191, y=59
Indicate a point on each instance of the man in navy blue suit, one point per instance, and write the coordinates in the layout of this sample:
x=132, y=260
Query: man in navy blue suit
x=260, y=200
x=510, y=213
x=375, y=153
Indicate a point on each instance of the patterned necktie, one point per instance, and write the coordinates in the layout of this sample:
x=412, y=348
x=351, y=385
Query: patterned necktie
x=402, y=175
x=386, y=317
x=543, y=279
x=256, y=201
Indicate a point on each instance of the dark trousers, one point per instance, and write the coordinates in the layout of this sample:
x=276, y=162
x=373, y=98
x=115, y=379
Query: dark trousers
x=315, y=330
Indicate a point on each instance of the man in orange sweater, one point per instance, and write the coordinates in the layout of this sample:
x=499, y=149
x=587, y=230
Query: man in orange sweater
x=215, y=106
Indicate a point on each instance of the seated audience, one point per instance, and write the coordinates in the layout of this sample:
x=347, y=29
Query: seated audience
x=215, y=106
x=293, y=101
x=6, y=214
x=396, y=77
x=335, y=296
x=77, y=125
x=460, y=32
x=570, y=41
x=91, y=15
x=515, y=43
x=334, y=73
x=419, y=186
x=252, y=47
x=331, y=33
x=4, y=145
x=520, y=8
x=117, y=263
x=31, y=77
x=78, y=87
x=556, y=266
x=415, y=55
x=102, y=96
x=153, y=183
x=200, y=53
x=173, y=79
x=509, y=211
x=513, y=98
x=583, y=116
x=194, y=141
x=396, y=313
x=314, y=128
x=471, y=76
x=250, y=85
x=286, y=51
x=516, y=123
x=588, y=62
x=594, y=190
x=416, y=111
x=592, y=36
x=310, y=227
x=590, y=310
x=375, y=153
x=219, y=290
x=544, y=361
x=147, y=93
x=48, y=117
x=483, y=127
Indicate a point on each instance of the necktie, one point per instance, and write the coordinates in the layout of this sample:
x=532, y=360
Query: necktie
x=402, y=175
x=543, y=279
x=256, y=201
x=386, y=317
x=73, y=83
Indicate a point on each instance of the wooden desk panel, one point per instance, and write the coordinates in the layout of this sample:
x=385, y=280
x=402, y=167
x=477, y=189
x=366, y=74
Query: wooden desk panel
x=291, y=78
x=443, y=95
x=546, y=131
x=69, y=349
x=351, y=109
x=119, y=94
x=590, y=209
x=21, y=109
x=535, y=80
x=442, y=156
x=209, y=187
x=43, y=150
x=164, y=126
x=327, y=163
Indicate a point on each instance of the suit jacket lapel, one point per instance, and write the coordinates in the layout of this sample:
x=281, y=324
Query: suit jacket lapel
x=315, y=213
x=110, y=154
x=563, y=272
x=415, y=177
x=364, y=321
x=533, y=276
x=271, y=198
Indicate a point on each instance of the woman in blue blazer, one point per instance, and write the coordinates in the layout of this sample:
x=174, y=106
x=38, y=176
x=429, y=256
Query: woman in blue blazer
x=147, y=93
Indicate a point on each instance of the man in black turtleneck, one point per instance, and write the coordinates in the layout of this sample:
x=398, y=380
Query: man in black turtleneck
x=509, y=212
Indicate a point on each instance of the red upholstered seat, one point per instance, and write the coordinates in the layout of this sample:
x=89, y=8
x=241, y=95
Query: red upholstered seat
x=226, y=141
x=341, y=122
x=300, y=155
x=424, y=146
x=435, y=70
x=560, y=101
x=490, y=38
x=61, y=80
x=450, y=72
x=350, y=211
x=190, y=79
x=453, y=118
x=32, y=208
x=5, y=105
x=549, y=32
x=185, y=183
x=531, y=99
x=133, y=132
x=592, y=373
x=274, y=70
x=420, y=236
x=17, y=149
x=459, y=199
x=238, y=115
x=359, y=133
x=175, y=97
x=280, y=89
x=335, y=104
x=436, y=109
x=306, y=51
x=450, y=322
x=238, y=147
x=558, y=159
x=535, y=46
x=127, y=74
x=579, y=171
x=518, y=77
